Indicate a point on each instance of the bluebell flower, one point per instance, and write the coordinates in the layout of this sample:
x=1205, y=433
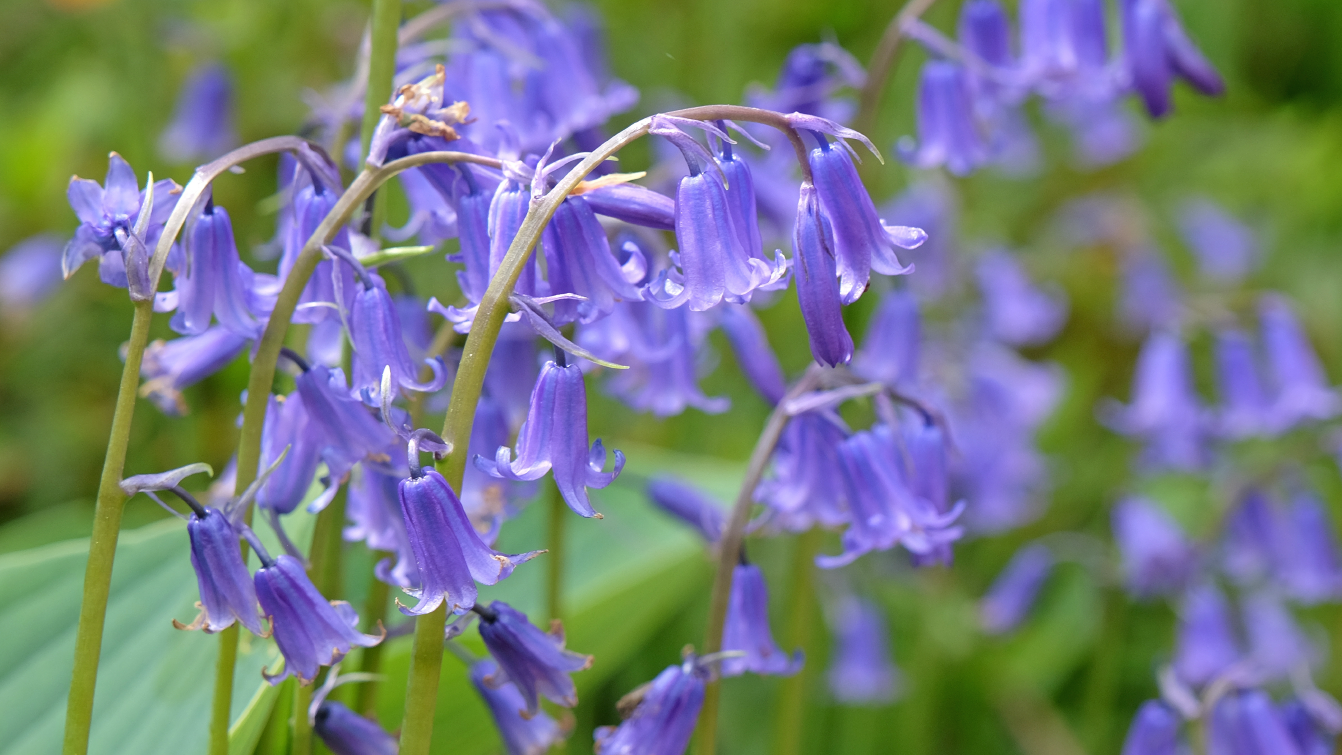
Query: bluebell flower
x=554, y=437
x=890, y=506
x=448, y=551
x=1309, y=735
x=1154, y=731
x=1150, y=298
x=1158, y=558
x=746, y=629
x=753, y=355
x=1226, y=249
x=948, y=132
x=170, y=366
x=431, y=220
x=1245, y=722
x=215, y=281
x=1276, y=644
x=1246, y=408
x=488, y=500
x=507, y=209
x=1247, y=547
x=472, y=210
x=890, y=349
x=664, y=351
x=373, y=511
x=1018, y=312
x=665, y=715
x=800, y=490
x=1103, y=130
x=202, y=125
x=1013, y=593
x=1164, y=412
x=288, y=431
x=522, y=735
x=378, y=344
x=1156, y=50
x=1304, y=551
x=740, y=196
x=226, y=591
x=535, y=661
x=512, y=372
x=111, y=226
x=810, y=76
x=348, y=733
x=351, y=433
x=1302, y=391
x=578, y=261
x=633, y=204
x=310, y=631
x=1065, y=49
x=861, y=671
x=688, y=504
x=862, y=241
x=332, y=283
x=713, y=263
x=1206, y=644
x=818, y=284
x=29, y=271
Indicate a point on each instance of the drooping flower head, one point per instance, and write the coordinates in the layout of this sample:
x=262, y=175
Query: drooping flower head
x=746, y=629
x=818, y=284
x=1156, y=50
x=170, y=366
x=310, y=631
x=379, y=344
x=1226, y=248
x=215, y=282
x=1164, y=411
x=1206, y=645
x=578, y=260
x=1158, y=559
x=350, y=432
x=288, y=427
x=1015, y=590
x=948, y=132
x=688, y=504
x=202, y=124
x=1246, y=408
x=1018, y=312
x=861, y=671
x=522, y=734
x=664, y=714
x=535, y=661
x=1245, y=721
x=800, y=491
x=348, y=733
x=1154, y=731
x=554, y=438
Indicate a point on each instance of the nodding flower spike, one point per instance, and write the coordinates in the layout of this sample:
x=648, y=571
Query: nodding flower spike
x=1015, y=590
x=310, y=631
x=350, y=432
x=288, y=427
x=170, y=366
x=345, y=732
x=554, y=437
x=860, y=671
x=746, y=629
x=379, y=345
x=664, y=714
x=862, y=242
x=714, y=264
x=1156, y=50
x=1154, y=731
x=753, y=353
x=215, y=281
x=522, y=734
x=118, y=224
x=948, y=133
x=817, y=282
x=688, y=504
x=533, y=660
x=448, y=551
x=578, y=261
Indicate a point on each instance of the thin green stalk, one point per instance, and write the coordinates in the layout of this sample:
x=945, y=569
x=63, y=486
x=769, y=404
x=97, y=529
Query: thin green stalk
x=102, y=544
x=554, y=543
x=221, y=706
x=301, y=742
x=729, y=551
x=789, y=711
x=883, y=62
x=381, y=67
x=1102, y=684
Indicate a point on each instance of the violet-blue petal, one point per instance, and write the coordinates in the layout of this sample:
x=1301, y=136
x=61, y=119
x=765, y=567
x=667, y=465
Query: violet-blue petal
x=1226, y=248
x=29, y=272
x=799, y=490
x=1246, y=408
x=861, y=671
x=1164, y=412
x=1206, y=644
x=578, y=261
x=1019, y=313
x=288, y=427
x=351, y=432
x=948, y=133
x=1302, y=390
x=818, y=288
x=688, y=504
x=226, y=590
x=310, y=631
x=345, y=732
x=754, y=356
x=634, y=204
x=1015, y=590
x=746, y=629
x=664, y=719
x=1154, y=731
x=202, y=124
x=215, y=281
x=522, y=735
x=535, y=661
x=890, y=348
x=1244, y=722
x=170, y=366
x=375, y=331
x=1158, y=558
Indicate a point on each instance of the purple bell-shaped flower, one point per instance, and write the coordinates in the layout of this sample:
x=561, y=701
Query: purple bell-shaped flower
x=1154, y=731
x=332, y=282
x=215, y=281
x=817, y=282
x=578, y=261
x=554, y=438
x=521, y=734
x=664, y=716
x=202, y=125
x=350, y=432
x=507, y=210
x=310, y=631
x=375, y=331
x=1244, y=722
x=1164, y=411
x=747, y=629
x=860, y=670
x=1156, y=50
x=800, y=491
x=1302, y=390
x=345, y=732
x=119, y=225
x=170, y=366
x=1158, y=559
x=1018, y=312
x=633, y=204
x=1245, y=409
x=688, y=504
x=472, y=208
x=535, y=661
x=890, y=349
x=1206, y=643
x=1015, y=590
x=753, y=354
x=287, y=427
x=948, y=133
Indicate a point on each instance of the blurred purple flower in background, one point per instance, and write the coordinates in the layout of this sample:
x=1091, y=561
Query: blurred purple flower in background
x=29, y=272
x=860, y=670
x=202, y=124
x=1227, y=250
x=1013, y=593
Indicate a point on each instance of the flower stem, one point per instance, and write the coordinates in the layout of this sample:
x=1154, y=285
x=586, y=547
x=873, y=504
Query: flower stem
x=221, y=707
x=883, y=62
x=729, y=550
x=789, y=711
x=102, y=544
x=381, y=68
x=370, y=662
x=301, y=742
x=554, y=543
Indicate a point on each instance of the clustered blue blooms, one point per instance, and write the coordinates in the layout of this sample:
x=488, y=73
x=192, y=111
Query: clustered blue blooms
x=944, y=459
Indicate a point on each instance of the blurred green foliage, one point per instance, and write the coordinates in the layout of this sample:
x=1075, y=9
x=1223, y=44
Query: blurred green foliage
x=79, y=81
